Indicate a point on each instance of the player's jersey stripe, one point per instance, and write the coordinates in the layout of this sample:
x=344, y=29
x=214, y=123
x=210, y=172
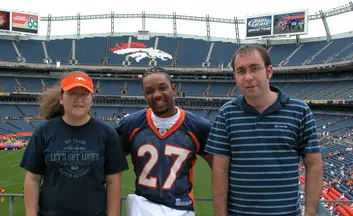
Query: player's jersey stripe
x=197, y=143
x=133, y=134
x=171, y=130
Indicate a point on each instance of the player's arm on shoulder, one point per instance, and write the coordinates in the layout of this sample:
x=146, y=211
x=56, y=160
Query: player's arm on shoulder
x=220, y=172
x=208, y=158
x=31, y=192
x=313, y=182
x=124, y=144
x=113, y=183
x=123, y=136
x=203, y=136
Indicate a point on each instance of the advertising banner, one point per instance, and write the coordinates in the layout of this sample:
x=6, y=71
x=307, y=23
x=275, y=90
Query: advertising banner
x=26, y=23
x=258, y=26
x=4, y=20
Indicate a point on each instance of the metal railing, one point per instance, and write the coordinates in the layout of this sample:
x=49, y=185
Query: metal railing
x=12, y=197
x=322, y=211
x=11, y=202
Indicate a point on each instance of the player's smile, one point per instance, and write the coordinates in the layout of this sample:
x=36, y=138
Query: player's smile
x=160, y=103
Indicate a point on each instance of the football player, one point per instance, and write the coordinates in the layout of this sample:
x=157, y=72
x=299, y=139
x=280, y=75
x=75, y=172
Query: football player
x=163, y=142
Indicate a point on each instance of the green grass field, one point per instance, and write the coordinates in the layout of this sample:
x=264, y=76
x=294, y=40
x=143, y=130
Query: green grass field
x=11, y=178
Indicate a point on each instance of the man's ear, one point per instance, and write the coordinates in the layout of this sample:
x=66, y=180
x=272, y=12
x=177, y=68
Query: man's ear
x=174, y=88
x=269, y=71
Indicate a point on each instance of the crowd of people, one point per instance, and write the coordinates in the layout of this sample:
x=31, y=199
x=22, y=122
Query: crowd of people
x=336, y=175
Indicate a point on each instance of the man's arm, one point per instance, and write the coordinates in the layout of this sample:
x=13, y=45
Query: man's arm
x=113, y=194
x=220, y=173
x=208, y=158
x=313, y=182
x=31, y=193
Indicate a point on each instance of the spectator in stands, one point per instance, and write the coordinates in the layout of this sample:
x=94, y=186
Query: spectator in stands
x=329, y=155
x=163, y=142
x=73, y=161
x=257, y=139
x=350, y=182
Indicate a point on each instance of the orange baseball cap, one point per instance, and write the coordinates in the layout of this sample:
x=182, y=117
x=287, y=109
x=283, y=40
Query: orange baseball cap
x=75, y=80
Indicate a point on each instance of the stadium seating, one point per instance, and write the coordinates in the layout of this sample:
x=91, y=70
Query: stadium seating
x=335, y=48
x=7, y=52
x=333, y=123
x=222, y=54
x=96, y=47
x=306, y=51
x=192, y=52
x=60, y=50
x=31, y=50
x=281, y=52
x=315, y=90
x=187, y=52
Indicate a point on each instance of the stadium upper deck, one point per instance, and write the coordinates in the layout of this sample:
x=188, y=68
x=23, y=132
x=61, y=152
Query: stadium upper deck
x=162, y=50
x=275, y=31
x=130, y=53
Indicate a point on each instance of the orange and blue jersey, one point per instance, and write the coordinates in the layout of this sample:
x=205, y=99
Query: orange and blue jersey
x=163, y=164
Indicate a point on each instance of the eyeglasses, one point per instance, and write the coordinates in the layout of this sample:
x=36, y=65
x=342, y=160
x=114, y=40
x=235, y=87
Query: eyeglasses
x=76, y=95
x=252, y=70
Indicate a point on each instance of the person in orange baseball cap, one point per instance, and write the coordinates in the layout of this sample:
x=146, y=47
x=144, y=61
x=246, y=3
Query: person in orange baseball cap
x=76, y=98
x=73, y=161
x=77, y=80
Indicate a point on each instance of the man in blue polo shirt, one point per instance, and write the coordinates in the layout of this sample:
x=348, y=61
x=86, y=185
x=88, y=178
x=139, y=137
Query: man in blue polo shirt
x=257, y=140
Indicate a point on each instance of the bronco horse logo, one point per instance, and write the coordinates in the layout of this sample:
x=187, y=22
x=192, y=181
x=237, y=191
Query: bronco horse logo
x=139, y=51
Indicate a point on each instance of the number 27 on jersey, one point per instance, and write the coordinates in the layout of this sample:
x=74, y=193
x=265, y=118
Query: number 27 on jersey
x=149, y=181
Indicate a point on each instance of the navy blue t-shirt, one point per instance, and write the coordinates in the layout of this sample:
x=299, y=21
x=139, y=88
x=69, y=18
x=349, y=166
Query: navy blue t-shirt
x=73, y=161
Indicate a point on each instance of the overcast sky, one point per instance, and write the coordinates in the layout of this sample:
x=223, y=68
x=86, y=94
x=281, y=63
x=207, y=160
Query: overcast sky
x=218, y=8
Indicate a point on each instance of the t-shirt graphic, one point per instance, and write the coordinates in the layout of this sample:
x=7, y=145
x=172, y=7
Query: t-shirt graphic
x=74, y=160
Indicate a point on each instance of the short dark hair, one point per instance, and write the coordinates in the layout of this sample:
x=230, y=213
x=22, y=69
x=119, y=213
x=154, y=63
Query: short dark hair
x=155, y=70
x=250, y=48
